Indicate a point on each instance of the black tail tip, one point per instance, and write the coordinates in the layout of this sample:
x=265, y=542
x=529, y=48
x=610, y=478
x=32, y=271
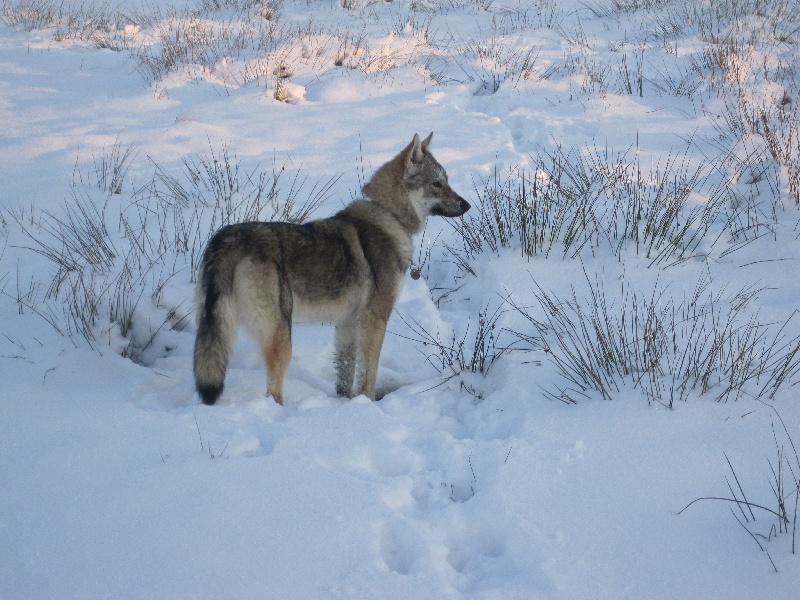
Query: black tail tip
x=209, y=393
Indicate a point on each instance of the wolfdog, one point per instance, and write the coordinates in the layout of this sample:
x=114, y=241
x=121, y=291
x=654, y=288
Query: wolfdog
x=346, y=269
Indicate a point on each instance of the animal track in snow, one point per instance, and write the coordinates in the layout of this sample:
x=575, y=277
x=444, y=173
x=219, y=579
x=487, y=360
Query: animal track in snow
x=476, y=555
x=400, y=547
x=392, y=461
x=574, y=453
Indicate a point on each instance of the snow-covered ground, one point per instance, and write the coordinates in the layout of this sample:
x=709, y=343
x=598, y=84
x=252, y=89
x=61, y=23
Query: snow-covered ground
x=556, y=468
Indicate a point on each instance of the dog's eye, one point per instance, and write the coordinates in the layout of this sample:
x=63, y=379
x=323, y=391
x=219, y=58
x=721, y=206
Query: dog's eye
x=437, y=184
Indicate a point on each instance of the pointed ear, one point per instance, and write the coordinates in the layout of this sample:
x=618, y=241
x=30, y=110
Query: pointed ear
x=414, y=155
x=427, y=141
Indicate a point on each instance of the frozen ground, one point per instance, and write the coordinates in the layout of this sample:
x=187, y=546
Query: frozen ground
x=461, y=482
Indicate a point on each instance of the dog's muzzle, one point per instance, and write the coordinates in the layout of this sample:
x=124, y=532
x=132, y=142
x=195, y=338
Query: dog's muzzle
x=455, y=209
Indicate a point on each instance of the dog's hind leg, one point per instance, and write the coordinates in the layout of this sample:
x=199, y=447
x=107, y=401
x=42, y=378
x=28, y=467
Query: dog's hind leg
x=277, y=352
x=278, y=349
x=266, y=305
x=345, y=359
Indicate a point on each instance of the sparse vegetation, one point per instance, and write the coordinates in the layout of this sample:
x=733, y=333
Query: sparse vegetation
x=574, y=202
x=785, y=484
x=474, y=351
x=664, y=347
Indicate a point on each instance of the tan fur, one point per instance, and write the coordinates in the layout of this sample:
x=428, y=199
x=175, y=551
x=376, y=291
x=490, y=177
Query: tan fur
x=347, y=269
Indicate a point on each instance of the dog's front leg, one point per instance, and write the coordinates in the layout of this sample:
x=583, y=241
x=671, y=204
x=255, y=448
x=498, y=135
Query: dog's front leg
x=373, y=329
x=345, y=359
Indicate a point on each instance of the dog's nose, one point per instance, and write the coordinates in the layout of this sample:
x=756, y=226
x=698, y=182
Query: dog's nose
x=465, y=206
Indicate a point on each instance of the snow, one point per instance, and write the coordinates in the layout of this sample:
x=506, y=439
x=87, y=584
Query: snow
x=118, y=483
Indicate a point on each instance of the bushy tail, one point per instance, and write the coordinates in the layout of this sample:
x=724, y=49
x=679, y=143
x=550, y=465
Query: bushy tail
x=216, y=326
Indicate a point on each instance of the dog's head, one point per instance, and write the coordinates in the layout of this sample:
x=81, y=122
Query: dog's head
x=413, y=185
x=427, y=185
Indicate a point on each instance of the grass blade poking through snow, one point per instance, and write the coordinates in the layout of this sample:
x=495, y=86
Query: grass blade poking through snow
x=785, y=485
